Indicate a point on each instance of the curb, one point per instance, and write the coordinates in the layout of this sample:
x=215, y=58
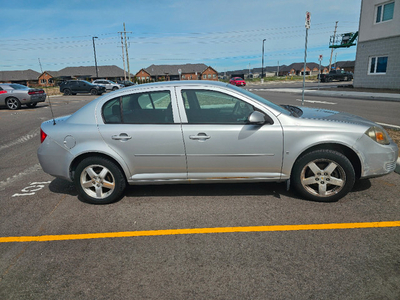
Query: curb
x=397, y=170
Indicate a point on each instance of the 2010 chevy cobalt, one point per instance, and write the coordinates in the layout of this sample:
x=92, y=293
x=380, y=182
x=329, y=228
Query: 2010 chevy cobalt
x=200, y=131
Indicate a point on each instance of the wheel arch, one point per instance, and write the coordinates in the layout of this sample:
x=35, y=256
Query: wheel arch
x=74, y=164
x=345, y=150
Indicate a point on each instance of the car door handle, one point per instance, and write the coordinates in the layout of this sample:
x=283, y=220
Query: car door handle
x=121, y=137
x=200, y=136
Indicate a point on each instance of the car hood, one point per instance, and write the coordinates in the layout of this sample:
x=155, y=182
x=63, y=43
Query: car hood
x=332, y=115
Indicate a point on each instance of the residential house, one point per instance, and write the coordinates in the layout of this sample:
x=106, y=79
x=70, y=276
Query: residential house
x=344, y=65
x=298, y=68
x=26, y=77
x=176, y=72
x=113, y=73
x=378, y=49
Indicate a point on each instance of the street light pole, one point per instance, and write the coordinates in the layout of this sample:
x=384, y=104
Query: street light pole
x=262, y=65
x=95, y=60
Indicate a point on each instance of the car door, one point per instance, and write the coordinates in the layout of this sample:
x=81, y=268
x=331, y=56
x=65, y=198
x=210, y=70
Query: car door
x=220, y=144
x=144, y=129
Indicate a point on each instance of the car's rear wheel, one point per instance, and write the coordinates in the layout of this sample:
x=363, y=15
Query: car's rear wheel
x=323, y=175
x=13, y=103
x=99, y=180
x=32, y=104
x=93, y=91
x=67, y=92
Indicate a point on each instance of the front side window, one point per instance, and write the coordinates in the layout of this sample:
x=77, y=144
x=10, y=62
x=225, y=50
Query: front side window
x=378, y=65
x=212, y=107
x=384, y=12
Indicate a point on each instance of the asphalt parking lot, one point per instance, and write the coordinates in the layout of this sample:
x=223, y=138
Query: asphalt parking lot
x=220, y=241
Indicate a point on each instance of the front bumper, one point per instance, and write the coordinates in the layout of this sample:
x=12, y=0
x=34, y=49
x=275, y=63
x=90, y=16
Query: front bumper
x=377, y=160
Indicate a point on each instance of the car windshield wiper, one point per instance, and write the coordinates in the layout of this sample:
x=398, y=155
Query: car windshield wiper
x=294, y=110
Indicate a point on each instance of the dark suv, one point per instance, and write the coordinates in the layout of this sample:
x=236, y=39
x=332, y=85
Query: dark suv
x=72, y=87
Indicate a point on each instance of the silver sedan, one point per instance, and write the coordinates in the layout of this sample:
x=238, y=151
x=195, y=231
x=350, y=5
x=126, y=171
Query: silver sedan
x=14, y=95
x=202, y=132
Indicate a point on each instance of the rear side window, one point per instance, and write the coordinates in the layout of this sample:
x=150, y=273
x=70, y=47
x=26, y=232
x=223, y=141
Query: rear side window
x=140, y=108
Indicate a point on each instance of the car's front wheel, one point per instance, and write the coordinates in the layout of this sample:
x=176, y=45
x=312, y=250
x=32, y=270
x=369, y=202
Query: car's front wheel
x=93, y=91
x=13, y=103
x=99, y=180
x=115, y=88
x=323, y=175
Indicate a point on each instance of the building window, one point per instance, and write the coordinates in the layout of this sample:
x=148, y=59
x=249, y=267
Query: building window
x=183, y=76
x=204, y=76
x=43, y=81
x=378, y=65
x=384, y=12
x=209, y=76
x=214, y=76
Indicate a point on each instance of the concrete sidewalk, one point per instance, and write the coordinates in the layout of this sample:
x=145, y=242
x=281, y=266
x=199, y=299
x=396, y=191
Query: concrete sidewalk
x=337, y=94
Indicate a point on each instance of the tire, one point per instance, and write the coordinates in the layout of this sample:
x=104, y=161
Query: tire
x=99, y=180
x=345, y=78
x=93, y=92
x=13, y=103
x=323, y=175
x=32, y=104
x=327, y=79
x=67, y=92
x=114, y=88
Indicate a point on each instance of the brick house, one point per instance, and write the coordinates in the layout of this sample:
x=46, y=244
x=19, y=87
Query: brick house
x=171, y=72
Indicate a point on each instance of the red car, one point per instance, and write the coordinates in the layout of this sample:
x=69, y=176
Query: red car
x=237, y=81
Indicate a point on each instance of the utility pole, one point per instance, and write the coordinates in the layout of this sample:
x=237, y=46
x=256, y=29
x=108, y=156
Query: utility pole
x=333, y=42
x=95, y=59
x=277, y=73
x=126, y=49
x=308, y=25
x=262, y=64
x=123, y=56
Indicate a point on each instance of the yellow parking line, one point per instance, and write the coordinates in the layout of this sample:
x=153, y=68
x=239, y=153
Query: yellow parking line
x=64, y=237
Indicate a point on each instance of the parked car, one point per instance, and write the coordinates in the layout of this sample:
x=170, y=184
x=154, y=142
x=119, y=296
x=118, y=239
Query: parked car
x=203, y=132
x=108, y=84
x=14, y=95
x=237, y=81
x=73, y=87
x=126, y=82
x=340, y=75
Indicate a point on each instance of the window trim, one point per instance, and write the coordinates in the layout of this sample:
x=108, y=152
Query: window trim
x=376, y=64
x=382, y=5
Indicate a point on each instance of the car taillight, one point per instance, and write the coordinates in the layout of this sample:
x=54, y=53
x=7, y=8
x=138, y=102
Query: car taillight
x=35, y=92
x=43, y=135
x=3, y=92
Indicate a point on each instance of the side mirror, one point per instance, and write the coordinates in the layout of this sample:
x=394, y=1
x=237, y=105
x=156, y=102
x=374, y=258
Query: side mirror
x=257, y=118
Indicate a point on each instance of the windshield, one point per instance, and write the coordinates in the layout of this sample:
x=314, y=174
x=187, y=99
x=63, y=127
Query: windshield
x=19, y=87
x=261, y=99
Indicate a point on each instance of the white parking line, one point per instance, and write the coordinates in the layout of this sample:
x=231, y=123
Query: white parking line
x=33, y=133
x=315, y=101
x=389, y=125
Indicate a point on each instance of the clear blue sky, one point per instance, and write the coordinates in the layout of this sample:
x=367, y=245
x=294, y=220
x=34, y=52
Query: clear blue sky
x=226, y=35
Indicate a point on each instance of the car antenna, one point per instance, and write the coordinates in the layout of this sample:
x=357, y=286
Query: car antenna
x=48, y=96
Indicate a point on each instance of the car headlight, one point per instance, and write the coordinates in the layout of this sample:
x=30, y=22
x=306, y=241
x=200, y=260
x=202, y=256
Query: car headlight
x=378, y=135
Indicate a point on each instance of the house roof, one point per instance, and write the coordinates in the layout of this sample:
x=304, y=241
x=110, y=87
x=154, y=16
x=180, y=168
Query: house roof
x=154, y=70
x=89, y=71
x=19, y=75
